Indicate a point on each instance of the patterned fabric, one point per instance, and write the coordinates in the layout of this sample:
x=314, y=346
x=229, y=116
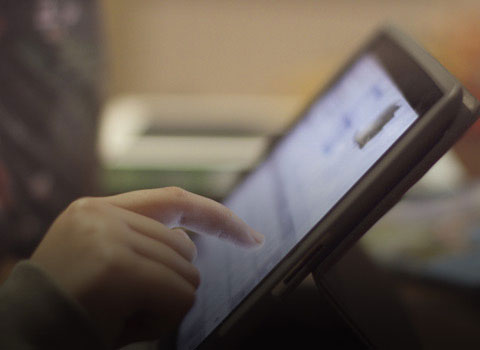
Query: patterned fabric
x=49, y=99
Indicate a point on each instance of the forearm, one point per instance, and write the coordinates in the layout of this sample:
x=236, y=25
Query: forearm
x=36, y=314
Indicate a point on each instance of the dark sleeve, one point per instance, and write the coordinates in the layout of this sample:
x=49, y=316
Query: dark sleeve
x=36, y=314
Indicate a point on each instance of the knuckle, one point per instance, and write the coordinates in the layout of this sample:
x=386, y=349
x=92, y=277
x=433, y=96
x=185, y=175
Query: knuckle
x=98, y=233
x=193, y=250
x=176, y=192
x=195, y=277
x=83, y=204
x=188, y=244
x=90, y=225
x=106, y=255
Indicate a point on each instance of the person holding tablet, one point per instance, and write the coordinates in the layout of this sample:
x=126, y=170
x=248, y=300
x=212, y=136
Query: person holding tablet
x=113, y=270
x=50, y=98
x=119, y=269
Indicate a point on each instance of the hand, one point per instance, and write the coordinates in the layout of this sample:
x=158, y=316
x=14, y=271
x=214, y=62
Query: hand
x=123, y=260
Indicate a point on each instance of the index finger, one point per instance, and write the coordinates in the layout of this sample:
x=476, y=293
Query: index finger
x=175, y=207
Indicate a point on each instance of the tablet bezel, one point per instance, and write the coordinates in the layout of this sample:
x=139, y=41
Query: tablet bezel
x=332, y=231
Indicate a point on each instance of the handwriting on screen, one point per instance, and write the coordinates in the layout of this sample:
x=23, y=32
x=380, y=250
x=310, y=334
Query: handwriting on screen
x=340, y=137
x=362, y=137
x=367, y=133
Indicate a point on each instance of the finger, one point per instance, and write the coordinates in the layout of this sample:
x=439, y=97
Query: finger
x=177, y=239
x=161, y=291
x=163, y=254
x=175, y=207
x=191, y=255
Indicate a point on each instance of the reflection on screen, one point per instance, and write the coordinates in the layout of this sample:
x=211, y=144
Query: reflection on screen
x=339, y=139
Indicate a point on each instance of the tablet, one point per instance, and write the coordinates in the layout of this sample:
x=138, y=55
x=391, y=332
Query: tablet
x=382, y=122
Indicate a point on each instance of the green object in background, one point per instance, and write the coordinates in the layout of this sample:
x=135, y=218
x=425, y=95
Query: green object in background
x=207, y=183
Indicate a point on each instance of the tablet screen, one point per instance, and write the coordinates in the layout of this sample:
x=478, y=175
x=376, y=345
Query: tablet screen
x=339, y=138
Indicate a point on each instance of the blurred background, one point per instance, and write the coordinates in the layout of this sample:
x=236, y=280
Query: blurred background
x=102, y=97
x=241, y=69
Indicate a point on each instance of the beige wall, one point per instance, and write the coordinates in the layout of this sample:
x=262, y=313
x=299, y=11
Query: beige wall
x=251, y=47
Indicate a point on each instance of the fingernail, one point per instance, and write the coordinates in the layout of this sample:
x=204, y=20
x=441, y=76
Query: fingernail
x=258, y=237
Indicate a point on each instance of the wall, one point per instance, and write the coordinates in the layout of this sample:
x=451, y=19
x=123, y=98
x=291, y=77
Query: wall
x=252, y=47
